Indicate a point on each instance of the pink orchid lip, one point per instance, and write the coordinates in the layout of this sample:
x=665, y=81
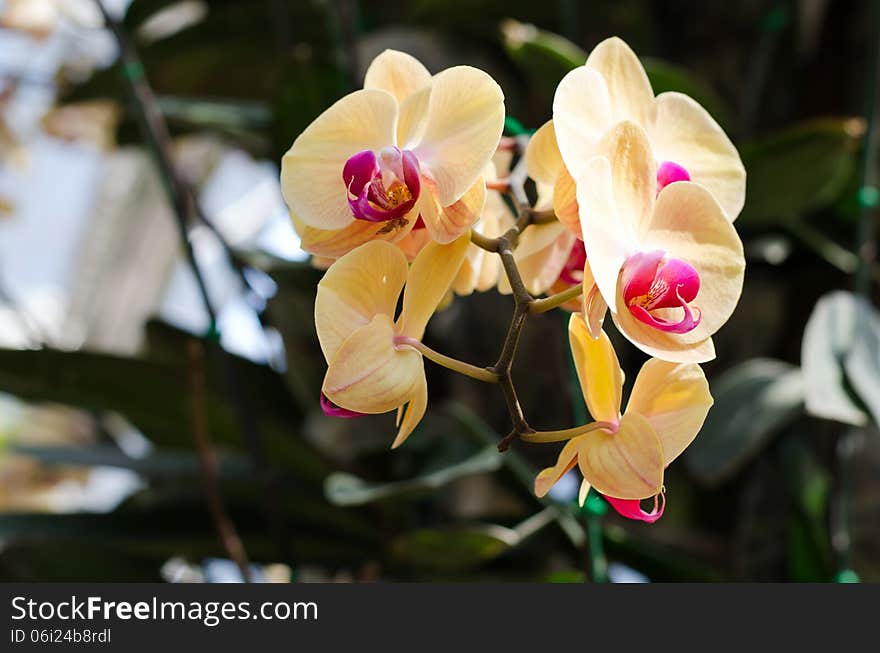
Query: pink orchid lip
x=573, y=271
x=669, y=172
x=384, y=187
x=332, y=410
x=632, y=508
x=652, y=281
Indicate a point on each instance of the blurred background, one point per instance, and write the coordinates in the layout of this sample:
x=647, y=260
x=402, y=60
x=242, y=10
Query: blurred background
x=159, y=370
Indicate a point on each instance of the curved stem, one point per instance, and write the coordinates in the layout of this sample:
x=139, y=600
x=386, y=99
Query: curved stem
x=553, y=301
x=567, y=434
x=478, y=373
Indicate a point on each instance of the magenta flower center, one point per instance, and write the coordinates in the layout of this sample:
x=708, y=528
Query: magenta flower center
x=382, y=187
x=573, y=271
x=653, y=284
x=332, y=410
x=670, y=172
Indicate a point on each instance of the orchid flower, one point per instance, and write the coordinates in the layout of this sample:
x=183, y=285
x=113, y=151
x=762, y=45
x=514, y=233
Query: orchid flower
x=624, y=456
x=669, y=265
x=408, y=149
x=372, y=365
x=686, y=142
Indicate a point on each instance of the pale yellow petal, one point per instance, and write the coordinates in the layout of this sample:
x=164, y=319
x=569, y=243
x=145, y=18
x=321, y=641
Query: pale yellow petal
x=465, y=118
x=593, y=305
x=629, y=90
x=413, y=414
x=547, y=478
x=429, y=278
x=369, y=374
x=633, y=173
x=543, y=159
x=598, y=370
x=398, y=73
x=624, y=465
x=311, y=171
x=689, y=224
x=565, y=203
x=413, y=118
x=608, y=239
x=540, y=268
x=581, y=115
x=583, y=492
x=445, y=224
x=675, y=399
x=683, y=132
x=333, y=243
x=362, y=284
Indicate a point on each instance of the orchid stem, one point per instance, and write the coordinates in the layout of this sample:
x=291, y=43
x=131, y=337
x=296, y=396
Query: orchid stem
x=478, y=373
x=567, y=434
x=554, y=301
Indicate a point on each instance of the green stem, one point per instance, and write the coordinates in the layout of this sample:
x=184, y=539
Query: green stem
x=553, y=301
x=478, y=373
x=567, y=434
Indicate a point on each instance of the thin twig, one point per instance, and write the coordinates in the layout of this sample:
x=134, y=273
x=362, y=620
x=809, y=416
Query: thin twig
x=225, y=528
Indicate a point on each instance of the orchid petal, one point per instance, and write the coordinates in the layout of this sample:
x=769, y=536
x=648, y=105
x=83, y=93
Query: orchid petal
x=311, y=170
x=629, y=91
x=369, y=375
x=675, y=399
x=333, y=243
x=627, y=464
x=465, y=118
x=632, y=508
x=413, y=413
x=565, y=202
x=543, y=159
x=398, y=73
x=594, y=307
x=598, y=370
x=567, y=459
x=445, y=224
x=430, y=277
x=689, y=224
x=683, y=132
x=583, y=492
x=582, y=113
x=362, y=284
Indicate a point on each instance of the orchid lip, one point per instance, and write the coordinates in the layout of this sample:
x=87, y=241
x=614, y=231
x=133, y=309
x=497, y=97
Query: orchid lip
x=384, y=187
x=573, y=271
x=332, y=410
x=652, y=281
x=669, y=172
x=632, y=508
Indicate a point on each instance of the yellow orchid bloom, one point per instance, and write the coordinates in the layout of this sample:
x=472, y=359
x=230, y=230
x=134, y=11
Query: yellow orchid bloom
x=408, y=149
x=686, y=143
x=624, y=456
x=669, y=265
x=372, y=365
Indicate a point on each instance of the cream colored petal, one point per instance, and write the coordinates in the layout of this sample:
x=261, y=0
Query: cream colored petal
x=415, y=411
x=540, y=269
x=413, y=118
x=633, y=173
x=333, y=243
x=547, y=478
x=369, y=374
x=543, y=159
x=311, y=171
x=598, y=370
x=465, y=118
x=449, y=223
x=667, y=346
x=608, y=238
x=583, y=492
x=593, y=305
x=362, y=284
x=675, y=399
x=629, y=90
x=565, y=202
x=690, y=225
x=624, y=465
x=398, y=73
x=582, y=113
x=682, y=131
x=429, y=278
x=414, y=241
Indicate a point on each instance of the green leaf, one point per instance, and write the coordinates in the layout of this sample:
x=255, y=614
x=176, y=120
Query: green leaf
x=828, y=342
x=452, y=549
x=347, y=490
x=543, y=56
x=799, y=169
x=753, y=402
